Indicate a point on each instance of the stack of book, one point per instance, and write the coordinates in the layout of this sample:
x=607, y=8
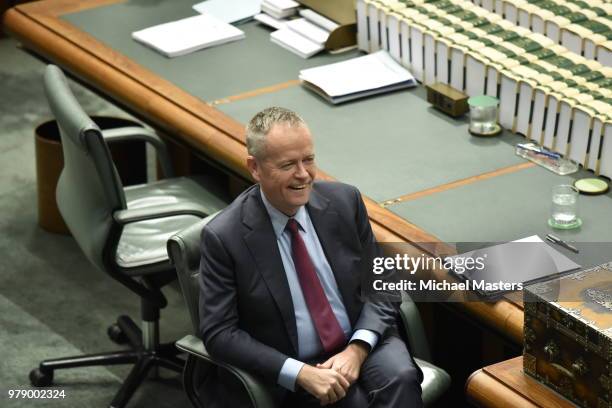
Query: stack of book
x=279, y=9
x=583, y=27
x=304, y=36
x=548, y=93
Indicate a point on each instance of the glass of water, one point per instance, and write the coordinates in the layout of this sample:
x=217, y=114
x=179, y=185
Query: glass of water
x=564, y=210
x=483, y=115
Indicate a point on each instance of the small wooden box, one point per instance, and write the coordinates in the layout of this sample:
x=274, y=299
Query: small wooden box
x=568, y=335
x=447, y=99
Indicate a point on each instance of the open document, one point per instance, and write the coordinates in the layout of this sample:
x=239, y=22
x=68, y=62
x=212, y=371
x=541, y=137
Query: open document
x=187, y=35
x=358, y=77
x=509, y=266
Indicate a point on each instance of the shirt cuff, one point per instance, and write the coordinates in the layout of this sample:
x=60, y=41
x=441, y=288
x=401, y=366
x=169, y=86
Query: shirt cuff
x=366, y=335
x=288, y=373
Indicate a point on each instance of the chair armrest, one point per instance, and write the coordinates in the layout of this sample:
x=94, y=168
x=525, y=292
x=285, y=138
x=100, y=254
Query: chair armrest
x=415, y=333
x=146, y=135
x=159, y=211
x=258, y=392
x=435, y=382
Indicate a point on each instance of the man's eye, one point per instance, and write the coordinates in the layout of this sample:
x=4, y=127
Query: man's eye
x=286, y=166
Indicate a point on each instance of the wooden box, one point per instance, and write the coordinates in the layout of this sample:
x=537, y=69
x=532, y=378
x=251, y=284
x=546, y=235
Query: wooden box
x=568, y=333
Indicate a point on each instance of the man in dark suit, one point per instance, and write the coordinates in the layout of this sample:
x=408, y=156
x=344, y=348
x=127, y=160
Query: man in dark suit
x=280, y=283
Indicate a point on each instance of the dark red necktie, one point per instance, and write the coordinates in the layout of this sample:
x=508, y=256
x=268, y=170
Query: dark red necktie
x=325, y=321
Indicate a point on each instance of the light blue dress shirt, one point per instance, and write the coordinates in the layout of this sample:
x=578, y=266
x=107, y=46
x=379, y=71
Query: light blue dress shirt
x=309, y=344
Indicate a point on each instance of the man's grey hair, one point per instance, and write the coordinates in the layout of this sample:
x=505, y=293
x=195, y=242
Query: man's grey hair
x=262, y=122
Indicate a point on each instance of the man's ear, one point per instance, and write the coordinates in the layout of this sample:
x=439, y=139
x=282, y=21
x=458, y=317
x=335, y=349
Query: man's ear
x=253, y=167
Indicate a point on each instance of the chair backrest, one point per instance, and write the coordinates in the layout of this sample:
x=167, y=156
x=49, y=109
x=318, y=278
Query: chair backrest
x=89, y=189
x=184, y=252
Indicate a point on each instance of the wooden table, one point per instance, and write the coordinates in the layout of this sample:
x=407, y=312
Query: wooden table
x=505, y=385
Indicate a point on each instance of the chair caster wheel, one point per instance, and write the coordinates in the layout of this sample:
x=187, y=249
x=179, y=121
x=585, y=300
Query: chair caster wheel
x=40, y=378
x=116, y=334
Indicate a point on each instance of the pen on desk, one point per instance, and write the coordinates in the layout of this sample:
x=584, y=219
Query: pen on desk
x=541, y=151
x=556, y=240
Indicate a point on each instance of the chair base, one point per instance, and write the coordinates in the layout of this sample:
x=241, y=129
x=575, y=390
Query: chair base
x=144, y=361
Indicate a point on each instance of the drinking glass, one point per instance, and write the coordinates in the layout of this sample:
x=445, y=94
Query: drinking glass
x=564, y=209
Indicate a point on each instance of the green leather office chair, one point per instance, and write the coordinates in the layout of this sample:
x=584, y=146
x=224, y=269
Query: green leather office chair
x=184, y=251
x=122, y=232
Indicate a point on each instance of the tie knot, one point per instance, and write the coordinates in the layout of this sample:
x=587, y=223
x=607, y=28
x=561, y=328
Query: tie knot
x=292, y=225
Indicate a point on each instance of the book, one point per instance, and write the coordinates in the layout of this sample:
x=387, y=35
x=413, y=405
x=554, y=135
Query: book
x=187, y=35
x=236, y=11
x=309, y=30
x=296, y=43
x=357, y=78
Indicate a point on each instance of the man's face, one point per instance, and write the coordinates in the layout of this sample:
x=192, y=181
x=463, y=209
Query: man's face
x=287, y=169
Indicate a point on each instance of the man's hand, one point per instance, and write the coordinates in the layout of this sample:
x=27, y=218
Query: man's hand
x=349, y=361
x=328, y=386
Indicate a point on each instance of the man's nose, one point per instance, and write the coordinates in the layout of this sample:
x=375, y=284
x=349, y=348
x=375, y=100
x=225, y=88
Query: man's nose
x=300, y=171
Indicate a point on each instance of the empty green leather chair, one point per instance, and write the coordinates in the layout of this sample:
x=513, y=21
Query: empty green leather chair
x=184, y=251
x=122, y=232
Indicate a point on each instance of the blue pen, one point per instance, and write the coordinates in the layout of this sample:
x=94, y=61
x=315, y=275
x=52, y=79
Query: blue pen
x=537, y=150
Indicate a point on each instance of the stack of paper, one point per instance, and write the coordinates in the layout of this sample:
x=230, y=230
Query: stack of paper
x=279, y=8
x=294, y=42
x=268, y=20
x=275, y=12
x=303, y=36
x=358, y=77
x=309, y=30
x=318, y=19
x=189, y=34
x=235, y=11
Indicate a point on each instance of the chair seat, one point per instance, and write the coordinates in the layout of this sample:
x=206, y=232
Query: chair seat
x=144, y=242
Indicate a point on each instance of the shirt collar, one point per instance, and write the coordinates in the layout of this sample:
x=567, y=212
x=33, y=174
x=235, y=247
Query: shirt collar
x=279, y=220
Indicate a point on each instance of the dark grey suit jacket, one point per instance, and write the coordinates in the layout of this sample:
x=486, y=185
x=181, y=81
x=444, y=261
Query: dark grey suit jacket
x=246, y=311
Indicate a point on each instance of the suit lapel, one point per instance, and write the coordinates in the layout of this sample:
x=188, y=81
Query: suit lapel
x=261, y=241
x=326, y=222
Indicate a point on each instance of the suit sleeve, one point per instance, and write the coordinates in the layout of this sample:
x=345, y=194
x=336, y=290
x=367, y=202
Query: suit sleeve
x=376, y=316
x=219, y=327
